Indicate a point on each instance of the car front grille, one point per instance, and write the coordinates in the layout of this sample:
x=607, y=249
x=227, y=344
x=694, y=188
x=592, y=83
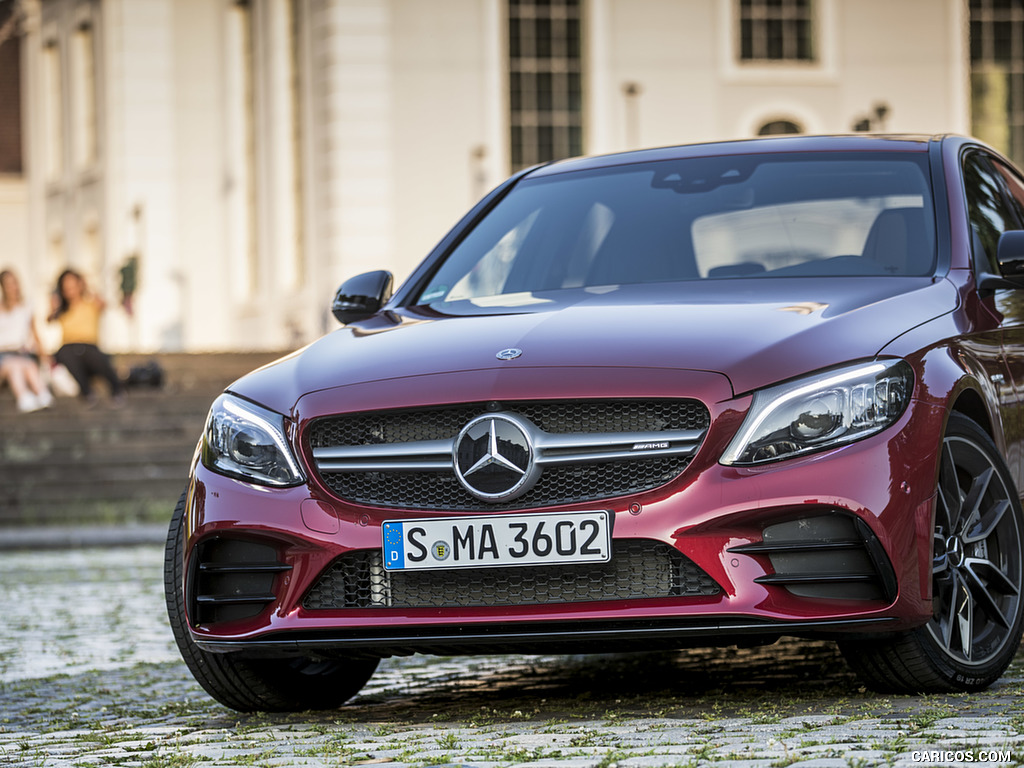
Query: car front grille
x=638, y=569
x=402, y=458
x=559, y=485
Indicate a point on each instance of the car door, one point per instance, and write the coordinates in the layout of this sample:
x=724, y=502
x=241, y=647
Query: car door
x=994, y=209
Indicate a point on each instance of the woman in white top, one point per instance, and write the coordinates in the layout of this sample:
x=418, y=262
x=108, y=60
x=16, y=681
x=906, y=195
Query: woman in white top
x=19, y=345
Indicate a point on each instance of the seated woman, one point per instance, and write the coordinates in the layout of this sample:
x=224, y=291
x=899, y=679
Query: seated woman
x=78, y=313
x=19, y=347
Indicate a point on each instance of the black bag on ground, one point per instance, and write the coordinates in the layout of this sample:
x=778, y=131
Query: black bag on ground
x=149, y=374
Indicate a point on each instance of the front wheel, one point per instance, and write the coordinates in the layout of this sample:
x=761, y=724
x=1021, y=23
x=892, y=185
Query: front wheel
x=977, y=568
x=270, y=685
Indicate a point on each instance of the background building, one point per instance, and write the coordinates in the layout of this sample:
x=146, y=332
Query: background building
x=238, y=159
x=13, y=187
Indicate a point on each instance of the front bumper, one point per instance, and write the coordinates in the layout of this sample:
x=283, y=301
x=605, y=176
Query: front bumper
x=713, y=515
x=593, y=636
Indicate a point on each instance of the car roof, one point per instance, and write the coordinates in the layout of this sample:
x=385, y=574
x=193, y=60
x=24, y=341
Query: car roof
x=764, y=145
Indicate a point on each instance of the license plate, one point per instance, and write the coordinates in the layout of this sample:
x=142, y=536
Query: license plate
x=498, y=540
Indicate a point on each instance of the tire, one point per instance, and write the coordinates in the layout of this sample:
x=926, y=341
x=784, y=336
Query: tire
x=270, y=685
x=978, y=553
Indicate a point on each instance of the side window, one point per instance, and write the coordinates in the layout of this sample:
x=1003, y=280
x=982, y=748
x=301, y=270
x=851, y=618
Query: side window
x=987, y=209
x=1015, y=189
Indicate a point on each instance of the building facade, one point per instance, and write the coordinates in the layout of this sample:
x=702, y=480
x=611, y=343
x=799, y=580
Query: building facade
x=227, y=163
x=13, y=186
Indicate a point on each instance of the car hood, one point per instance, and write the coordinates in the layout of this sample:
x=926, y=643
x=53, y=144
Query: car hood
x=754, y=332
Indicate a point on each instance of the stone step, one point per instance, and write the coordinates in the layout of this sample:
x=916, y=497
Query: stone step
x=96, y=485
x=136, y=407
x=145, y=427
x=64, y=414
x=62, y=501
x=102, y=469
x=188, y=372
x=193, y=370
x=29, y=460
x=72, y=463
x=120, y=505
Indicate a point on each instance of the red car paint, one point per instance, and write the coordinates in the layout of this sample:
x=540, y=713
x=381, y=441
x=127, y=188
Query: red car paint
x=716, y=342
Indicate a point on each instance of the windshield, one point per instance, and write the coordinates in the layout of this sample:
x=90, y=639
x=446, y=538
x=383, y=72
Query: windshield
x=750, y=216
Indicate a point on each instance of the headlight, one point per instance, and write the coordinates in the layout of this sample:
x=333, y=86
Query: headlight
x=822, y=411
x=245, y=441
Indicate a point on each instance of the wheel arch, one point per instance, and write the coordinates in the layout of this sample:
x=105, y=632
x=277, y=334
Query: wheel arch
x=968, y=399
x=970, y=403
x=958, y=378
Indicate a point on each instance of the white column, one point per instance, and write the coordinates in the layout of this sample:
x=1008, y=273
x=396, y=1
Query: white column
x=495, y=96
x=599, y=133
x=279, y=118
x=358, y=135
x=35, y=274
x=960, y=67
x=141, y=159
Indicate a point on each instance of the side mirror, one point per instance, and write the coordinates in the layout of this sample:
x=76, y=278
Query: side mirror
x=361, y=296
x=1010, y=254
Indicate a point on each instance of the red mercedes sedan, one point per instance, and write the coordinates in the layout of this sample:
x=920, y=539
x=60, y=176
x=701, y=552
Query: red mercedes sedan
x=685, y=396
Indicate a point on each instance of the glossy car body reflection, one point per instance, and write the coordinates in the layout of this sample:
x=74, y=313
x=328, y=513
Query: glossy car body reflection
x=850, y=539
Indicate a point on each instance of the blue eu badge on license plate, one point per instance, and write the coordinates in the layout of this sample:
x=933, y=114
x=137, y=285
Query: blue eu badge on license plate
x=394, y=546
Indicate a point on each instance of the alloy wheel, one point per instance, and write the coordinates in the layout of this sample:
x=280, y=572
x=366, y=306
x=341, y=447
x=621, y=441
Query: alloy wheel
x=977, y=558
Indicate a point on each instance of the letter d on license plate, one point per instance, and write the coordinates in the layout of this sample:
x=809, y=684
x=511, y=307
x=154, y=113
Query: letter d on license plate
x=497, y=540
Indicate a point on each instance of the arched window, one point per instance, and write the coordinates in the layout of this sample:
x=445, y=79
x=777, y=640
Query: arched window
x=779, y=127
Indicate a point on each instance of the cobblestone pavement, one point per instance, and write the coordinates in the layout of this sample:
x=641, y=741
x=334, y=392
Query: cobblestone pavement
x=89, y=677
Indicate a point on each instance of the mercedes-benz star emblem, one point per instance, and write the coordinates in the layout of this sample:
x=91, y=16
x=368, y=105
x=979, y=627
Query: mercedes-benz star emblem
x=494, y=458
x=509, y=354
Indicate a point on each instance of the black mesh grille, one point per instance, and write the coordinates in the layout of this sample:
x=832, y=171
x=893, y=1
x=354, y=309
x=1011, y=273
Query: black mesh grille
x=401, y=426
x=391, y=426
x=557, y=485
x=638, y=569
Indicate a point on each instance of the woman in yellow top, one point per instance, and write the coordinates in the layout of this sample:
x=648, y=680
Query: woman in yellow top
x=78, y=313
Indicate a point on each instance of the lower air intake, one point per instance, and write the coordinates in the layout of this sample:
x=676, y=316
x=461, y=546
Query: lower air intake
x=232, y=579
x=832, y=557
x=638, y=569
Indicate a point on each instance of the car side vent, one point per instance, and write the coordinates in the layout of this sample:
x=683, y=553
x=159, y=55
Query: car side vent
x=232, y=579
x=834, y=556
